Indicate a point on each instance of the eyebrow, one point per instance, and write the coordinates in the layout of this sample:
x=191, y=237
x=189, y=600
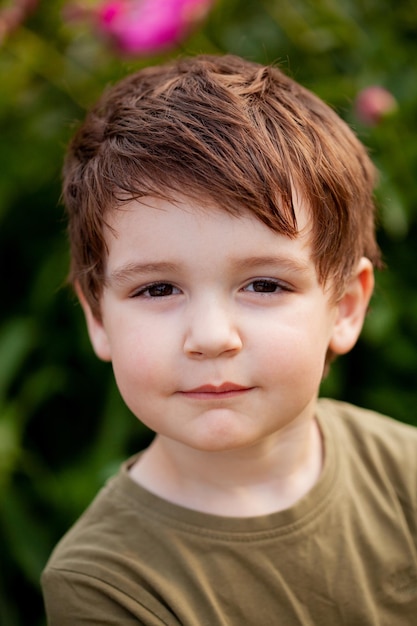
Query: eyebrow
x=280, y=262
x=126, y=272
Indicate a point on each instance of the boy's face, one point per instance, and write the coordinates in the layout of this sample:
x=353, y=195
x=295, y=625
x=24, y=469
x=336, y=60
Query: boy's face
x=216, y=326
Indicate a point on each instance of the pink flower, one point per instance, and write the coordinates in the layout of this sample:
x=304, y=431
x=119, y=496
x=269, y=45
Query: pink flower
x=142, y=27
x=373, y=104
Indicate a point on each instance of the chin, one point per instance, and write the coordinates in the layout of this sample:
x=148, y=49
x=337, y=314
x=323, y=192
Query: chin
x=216, y=441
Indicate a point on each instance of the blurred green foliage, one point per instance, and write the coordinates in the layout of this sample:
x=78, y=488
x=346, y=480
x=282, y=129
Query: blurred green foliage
x=63, y=427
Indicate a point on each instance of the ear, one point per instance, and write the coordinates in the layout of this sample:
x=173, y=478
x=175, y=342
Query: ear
x=96, y=330
x=352, y=308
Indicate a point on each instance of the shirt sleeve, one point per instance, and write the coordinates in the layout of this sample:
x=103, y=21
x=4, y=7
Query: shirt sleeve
x=76, y=599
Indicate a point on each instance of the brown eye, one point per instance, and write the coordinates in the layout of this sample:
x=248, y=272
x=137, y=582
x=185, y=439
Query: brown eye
x=156, y=290
x=264, y=286
x=160, y=290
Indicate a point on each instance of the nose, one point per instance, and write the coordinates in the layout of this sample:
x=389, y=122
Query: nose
x=212, y=331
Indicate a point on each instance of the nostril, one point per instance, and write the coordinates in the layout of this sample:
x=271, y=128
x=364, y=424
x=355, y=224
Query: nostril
x=212, y=330
x=213, y=349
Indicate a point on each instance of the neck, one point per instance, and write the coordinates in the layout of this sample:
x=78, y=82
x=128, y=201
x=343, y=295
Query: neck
x=264, y=478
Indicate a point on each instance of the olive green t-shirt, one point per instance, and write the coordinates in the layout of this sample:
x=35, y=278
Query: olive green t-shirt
x=345, y=554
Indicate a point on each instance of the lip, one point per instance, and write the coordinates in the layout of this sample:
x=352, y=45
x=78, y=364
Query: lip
x=225, y=390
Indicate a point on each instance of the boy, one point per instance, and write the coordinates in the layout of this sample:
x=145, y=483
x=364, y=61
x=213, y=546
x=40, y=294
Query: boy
x=222, y=233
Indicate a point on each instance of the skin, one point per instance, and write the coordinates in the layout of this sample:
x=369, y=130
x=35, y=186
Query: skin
x=217, y=329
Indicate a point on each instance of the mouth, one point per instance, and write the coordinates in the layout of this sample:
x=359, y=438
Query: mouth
x=213, y=392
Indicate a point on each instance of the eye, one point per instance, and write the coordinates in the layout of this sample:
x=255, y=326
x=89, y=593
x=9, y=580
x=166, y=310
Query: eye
x=266, y=285
x=156, y=290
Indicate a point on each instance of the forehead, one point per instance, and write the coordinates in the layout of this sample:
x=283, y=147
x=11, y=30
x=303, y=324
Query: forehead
x=148, y=213
x=152, y=210
x=184, y=233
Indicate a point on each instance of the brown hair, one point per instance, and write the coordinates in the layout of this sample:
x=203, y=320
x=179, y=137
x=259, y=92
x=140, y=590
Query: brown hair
x=236, y=133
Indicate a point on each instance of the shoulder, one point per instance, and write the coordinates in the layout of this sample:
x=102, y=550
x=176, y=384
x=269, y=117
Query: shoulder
x=106, y=522
x=368, y=425
x=374, y=442
x=99, y=571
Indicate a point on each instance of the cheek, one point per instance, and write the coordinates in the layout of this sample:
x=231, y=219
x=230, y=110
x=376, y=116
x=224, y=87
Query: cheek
x=140, y=362
x=295, y=351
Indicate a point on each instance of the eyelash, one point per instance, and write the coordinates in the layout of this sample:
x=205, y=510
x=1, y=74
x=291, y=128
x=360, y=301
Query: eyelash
x=277, y=285
x=146, y=291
